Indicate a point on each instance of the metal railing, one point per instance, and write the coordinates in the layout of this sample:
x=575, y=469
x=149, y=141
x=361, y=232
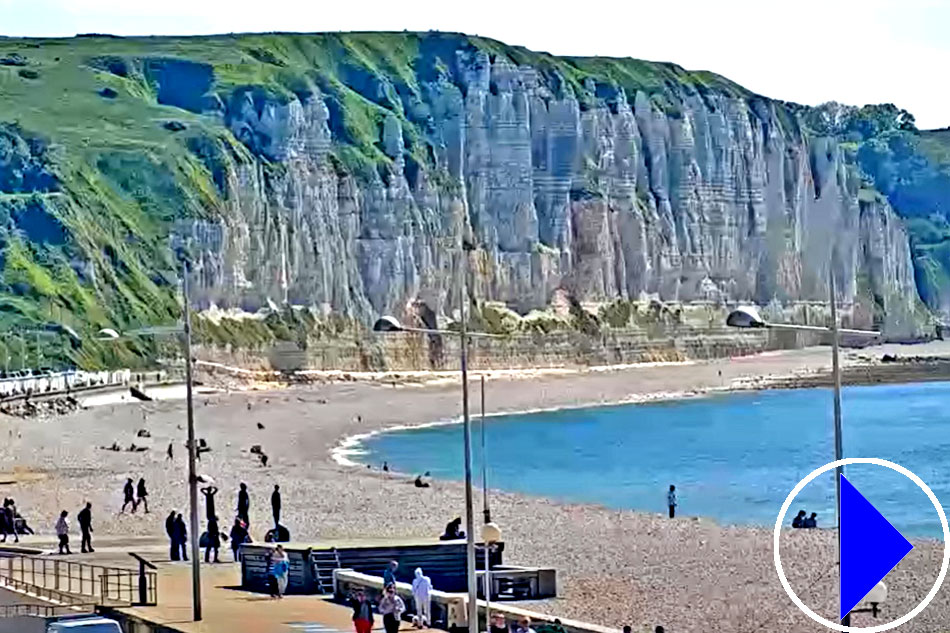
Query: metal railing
x=109, y=585
x=44, y=610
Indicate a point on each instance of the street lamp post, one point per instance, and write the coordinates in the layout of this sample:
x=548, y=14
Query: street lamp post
x=387, y=324
x=485, y=510
x=192, y=451
x=107, y=334
x=748, y=317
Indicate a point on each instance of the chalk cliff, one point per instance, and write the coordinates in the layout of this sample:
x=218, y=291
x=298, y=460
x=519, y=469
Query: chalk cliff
x=342, y=172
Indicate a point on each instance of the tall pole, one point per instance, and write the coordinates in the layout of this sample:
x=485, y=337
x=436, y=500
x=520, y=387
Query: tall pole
x=192, y=450
x=839, y=451
x=485, y=511
x=467, y=430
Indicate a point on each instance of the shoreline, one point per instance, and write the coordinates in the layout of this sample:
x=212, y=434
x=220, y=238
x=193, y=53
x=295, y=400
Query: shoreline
x=861, y=374
x=615, y=567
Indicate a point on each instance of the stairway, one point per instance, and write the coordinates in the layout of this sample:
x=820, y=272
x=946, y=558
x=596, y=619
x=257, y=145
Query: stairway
x=324, y=562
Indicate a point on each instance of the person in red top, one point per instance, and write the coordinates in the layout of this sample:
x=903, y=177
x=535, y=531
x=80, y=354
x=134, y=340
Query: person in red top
x=362, y=612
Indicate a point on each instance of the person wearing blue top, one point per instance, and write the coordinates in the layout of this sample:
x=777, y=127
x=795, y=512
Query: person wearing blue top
x=389, y=575
x=279, y=568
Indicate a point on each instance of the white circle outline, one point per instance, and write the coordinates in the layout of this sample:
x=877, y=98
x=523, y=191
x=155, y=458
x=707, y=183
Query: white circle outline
x=778, y=532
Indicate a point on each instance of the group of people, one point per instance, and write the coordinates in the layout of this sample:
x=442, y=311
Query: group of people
x=84, y=518
x=11, y=522
x=802, y=521
x=134, y=495
x=390, y=605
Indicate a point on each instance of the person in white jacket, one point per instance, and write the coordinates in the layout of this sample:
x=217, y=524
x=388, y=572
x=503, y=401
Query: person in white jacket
x=422, y=595
x=62, y=531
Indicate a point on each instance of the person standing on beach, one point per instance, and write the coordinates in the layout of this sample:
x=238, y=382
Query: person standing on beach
x=128, y=494
x=392, y=608
x=62, y=531
x=362, y=612
x=170, y=453
x=84, y=518
x=671, y=500
x=141, y=494
x=244, y=504
x=209, y=493
x=275, y=504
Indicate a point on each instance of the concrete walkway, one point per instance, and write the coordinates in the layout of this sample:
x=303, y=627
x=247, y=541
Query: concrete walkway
x=227, y=609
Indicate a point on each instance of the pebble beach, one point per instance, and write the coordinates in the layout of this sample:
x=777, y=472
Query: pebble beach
x=614, y=567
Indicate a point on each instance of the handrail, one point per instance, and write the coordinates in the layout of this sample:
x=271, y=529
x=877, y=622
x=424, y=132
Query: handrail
x=68, y=578
x=43, y=610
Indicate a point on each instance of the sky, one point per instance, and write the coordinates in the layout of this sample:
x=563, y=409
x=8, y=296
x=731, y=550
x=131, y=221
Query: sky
x=808, y=51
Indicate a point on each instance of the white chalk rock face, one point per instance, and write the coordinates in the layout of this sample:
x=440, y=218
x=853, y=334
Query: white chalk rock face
x=714, y=197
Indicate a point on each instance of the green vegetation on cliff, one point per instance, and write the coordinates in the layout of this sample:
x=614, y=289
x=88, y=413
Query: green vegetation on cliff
x=107, y=143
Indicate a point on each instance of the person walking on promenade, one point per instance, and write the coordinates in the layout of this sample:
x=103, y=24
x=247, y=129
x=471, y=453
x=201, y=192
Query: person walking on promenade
x=214, y=540
x=671, y=500
x=421, y=595
x=500, y=625
x=239, y=535
x=389, y=574
x=84, y=518
x=524, y=625
x=170, y=453
x=244, y=505
x=141, y=494
x=279, y=567
x=391, y=607
x=62, y=531
x=181, y=536
x=209, y=492
x=174, y=551
x=362, y=612
x=8, y=520
x=275, y=504
x=128, y=494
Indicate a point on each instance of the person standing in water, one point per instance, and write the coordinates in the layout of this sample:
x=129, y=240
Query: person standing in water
x=128, y=495
x=85, y=527
x=671, y=500
x=275, y=504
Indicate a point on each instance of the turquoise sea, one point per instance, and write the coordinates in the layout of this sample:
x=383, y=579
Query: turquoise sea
x=733, y=458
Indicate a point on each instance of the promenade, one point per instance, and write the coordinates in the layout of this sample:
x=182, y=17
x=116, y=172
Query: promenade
x=226, y=608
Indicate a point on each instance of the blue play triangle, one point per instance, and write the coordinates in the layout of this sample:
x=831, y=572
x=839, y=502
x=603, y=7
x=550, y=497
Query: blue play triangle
x=870, y=547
